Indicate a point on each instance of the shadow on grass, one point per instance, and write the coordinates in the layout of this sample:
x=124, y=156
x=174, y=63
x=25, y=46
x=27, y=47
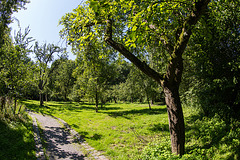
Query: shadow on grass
x=135, y=111
x=212, y=134
x=13, y=144
x=99, y=108
x=61, y=106
x=50, y=109
x=96, y=137
x=159, y=127
x=85, y=135
x=35, y=107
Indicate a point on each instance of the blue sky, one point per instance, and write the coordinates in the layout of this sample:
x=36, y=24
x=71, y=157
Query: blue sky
x=42, y=16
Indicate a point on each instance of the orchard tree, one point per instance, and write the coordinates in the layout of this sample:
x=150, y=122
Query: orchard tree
x=127, y=25
x=61, y=81
x=44, y=55
x=93, y=69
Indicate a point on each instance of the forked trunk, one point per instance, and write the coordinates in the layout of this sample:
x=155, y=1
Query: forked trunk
x=172, y=79
x=176, y=120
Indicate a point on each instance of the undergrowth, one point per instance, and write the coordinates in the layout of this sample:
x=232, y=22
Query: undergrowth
x=16, y=134
x=206, y=138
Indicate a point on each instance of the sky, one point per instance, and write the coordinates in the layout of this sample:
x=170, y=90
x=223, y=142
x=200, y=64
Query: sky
x=42, y=17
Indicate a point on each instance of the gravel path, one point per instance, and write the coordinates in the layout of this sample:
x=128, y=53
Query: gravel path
x=61, y=143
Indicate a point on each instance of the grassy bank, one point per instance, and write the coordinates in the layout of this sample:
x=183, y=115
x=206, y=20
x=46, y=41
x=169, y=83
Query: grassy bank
x=132, y=131
x=16, y=137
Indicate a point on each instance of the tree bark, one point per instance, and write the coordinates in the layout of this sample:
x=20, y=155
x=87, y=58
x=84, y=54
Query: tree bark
x=41, y=99
x=96, y=99
x=175, y=118
x=149, y=104
x=46, y=97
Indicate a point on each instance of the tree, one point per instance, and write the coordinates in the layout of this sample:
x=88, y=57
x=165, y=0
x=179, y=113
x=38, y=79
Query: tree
x=93, y=69
x=148, y=23
x=15, y=64
x=44, y=55
x=6, y=10
x=61, y=81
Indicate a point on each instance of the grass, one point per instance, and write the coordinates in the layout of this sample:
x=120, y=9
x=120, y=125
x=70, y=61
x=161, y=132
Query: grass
x=123, y=131
x=16, y=137
x=120, y=130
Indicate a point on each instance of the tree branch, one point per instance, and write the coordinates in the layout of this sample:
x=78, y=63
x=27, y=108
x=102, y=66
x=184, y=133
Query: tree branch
x=138, y=63
x=174, y=70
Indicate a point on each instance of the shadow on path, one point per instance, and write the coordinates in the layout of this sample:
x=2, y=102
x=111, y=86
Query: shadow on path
x=60, y=144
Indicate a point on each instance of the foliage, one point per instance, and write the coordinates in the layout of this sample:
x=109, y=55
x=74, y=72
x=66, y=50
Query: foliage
x=61, y=81
x=16, y=135
x=208, y=138
x=15, y=65
x=7, y=7
x=212, y=62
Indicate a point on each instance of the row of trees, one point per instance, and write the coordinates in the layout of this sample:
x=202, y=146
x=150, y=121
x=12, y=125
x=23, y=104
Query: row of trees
x=88, y=78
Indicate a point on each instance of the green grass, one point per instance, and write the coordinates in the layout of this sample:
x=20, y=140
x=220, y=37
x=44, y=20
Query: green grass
x=16, y=138
x=132, y=131
x=120, y=130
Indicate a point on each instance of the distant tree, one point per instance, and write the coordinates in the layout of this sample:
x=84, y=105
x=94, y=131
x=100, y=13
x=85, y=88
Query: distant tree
x=61, y=81
x=94, y=71
x=44, y=55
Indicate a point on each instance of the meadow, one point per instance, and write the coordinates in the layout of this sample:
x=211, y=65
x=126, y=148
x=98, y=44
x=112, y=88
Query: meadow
x=133, y=131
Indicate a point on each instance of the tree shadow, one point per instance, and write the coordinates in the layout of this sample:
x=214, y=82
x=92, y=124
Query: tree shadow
x=58, y=144
x=13, y=144
x=159, y=127
x=96, y=137
x=83, y=134
x=99, y=108
x=125, y=114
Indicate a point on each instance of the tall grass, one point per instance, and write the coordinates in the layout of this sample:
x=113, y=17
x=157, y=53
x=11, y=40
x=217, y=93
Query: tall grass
x=16, y=135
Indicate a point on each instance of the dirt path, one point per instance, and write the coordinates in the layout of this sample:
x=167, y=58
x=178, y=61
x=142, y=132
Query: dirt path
x=60, y=140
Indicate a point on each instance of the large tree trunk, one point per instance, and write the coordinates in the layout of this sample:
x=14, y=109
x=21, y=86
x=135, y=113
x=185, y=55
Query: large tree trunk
x=176, y=120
